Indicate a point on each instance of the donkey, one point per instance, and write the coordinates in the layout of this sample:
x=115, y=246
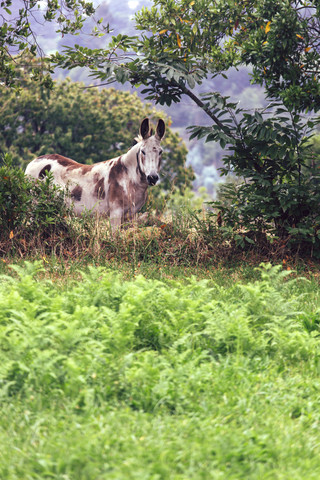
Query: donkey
x=116, y=188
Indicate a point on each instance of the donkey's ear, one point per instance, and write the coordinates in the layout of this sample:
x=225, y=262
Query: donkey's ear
x=161, y=128
x=144, y=128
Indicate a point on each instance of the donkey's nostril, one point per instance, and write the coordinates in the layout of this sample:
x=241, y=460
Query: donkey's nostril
x=152, y=179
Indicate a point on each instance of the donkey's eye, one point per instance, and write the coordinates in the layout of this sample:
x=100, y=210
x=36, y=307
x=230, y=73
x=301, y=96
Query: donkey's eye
x=143, y=152
x=160, y=153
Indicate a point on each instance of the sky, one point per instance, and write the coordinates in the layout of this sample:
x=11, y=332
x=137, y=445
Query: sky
x=133, y=4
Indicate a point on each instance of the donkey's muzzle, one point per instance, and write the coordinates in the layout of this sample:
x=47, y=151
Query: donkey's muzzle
x=152, y=179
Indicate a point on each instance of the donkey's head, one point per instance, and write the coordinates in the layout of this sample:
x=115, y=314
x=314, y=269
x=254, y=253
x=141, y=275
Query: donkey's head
x=149, y=155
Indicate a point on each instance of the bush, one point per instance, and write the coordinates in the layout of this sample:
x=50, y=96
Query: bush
x=288, y=212
x=29, y=208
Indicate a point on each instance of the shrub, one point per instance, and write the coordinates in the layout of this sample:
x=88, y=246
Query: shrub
x=29, y=208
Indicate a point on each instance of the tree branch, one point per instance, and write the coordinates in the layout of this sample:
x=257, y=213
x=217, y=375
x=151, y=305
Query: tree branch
x=204, y=107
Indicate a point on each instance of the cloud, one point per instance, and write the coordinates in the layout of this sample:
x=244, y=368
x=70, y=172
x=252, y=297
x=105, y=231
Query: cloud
x=133, y=4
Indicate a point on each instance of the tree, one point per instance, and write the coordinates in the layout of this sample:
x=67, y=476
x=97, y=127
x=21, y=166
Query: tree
x=17, y=37
x=84, y=124
x=280, y=39
x=187, y=41
x=285, y=51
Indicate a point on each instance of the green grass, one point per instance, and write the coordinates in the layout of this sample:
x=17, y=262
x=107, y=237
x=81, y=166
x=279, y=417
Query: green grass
x=63, y=270
x=160, y=378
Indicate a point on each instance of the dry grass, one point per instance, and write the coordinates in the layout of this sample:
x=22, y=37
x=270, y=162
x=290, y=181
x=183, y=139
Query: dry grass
x=172, y=240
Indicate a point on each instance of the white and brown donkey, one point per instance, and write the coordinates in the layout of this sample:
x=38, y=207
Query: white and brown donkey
x=116, y=188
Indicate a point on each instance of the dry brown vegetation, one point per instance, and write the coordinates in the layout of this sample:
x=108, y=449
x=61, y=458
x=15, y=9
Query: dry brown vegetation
x=171, y=240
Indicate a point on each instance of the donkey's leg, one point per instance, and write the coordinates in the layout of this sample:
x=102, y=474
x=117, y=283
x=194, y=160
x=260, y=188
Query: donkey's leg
x=116, y=218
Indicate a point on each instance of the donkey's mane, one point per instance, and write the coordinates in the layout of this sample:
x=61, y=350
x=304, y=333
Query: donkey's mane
x=139, y=137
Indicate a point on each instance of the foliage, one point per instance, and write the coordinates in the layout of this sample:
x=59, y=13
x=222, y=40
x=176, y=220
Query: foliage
x=281, y=40
x=17, y=37
x=150, y=379
x=271, y=150
x=184, y=42
x=29, y=209
x=86, y=125
x=199, y=39
x=315, y=150
x=182, y=45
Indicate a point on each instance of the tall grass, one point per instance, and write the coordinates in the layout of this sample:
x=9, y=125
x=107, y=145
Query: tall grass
x=149, y=379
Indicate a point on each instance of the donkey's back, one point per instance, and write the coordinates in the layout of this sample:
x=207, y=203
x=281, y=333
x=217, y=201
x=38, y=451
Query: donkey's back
x=86, y=183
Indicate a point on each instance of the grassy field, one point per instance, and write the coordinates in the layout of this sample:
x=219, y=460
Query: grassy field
x=160, y=376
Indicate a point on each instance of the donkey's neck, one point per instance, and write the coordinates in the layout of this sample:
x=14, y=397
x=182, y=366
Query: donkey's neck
x=130, y=160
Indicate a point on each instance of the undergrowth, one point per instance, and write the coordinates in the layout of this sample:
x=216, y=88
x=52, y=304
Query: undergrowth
x=113, y=379
x=36, y=222
x=177, y=238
